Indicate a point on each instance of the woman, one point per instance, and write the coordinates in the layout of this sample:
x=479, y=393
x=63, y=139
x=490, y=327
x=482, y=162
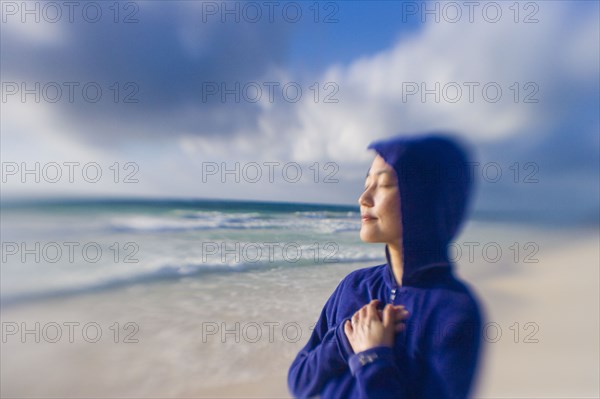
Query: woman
x=425, y=342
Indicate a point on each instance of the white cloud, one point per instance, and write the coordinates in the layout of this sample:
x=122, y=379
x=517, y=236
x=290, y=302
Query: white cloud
x=44, y=32
x=549, y=54
x=371, y=89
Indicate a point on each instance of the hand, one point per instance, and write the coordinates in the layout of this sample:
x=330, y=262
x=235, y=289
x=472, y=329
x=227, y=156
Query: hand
x=371, y=327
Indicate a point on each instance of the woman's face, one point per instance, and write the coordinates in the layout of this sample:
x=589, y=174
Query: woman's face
x=380, y=205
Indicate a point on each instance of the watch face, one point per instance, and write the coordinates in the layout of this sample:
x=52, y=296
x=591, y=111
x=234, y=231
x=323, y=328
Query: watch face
x=364, y=359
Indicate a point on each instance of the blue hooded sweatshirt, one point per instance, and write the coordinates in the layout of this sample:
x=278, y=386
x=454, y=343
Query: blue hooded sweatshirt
x=436, y=355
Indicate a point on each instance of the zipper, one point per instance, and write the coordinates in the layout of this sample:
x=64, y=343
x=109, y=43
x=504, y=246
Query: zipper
x=395, y=288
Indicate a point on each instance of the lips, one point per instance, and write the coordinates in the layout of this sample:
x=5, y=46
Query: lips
x=368, y=218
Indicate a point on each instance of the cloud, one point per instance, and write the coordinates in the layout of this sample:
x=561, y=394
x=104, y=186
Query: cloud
x=165, y=61
x=169, y=54
x=373, y=90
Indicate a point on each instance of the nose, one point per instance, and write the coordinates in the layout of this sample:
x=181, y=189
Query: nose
x=366, y=199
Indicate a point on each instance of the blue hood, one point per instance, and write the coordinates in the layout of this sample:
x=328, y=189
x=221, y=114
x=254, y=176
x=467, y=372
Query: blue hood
x=435, y=184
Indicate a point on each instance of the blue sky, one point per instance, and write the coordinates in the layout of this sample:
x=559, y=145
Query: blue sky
x=360, y=30
x=375, y=60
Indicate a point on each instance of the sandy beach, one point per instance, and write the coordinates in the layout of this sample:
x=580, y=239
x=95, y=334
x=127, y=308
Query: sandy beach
x=235, y=334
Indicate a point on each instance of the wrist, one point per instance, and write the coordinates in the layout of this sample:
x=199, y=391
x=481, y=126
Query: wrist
x=372, y=345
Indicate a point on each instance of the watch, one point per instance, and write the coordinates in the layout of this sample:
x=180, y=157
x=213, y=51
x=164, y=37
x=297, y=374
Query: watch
x=365, y=358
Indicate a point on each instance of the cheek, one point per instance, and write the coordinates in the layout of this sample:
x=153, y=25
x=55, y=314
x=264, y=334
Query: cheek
x=395, y=209
x=390, y=207
x=391, y=213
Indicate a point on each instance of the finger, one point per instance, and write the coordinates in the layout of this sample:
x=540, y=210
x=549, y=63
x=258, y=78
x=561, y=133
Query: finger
x=354, y=321
x=388, y=316
x=362, y=313
x=372, y=310
x=404, y=314
x=374, y=303
x=401, y=314
x=348, y=330
x=371, y=303
x=399, y=309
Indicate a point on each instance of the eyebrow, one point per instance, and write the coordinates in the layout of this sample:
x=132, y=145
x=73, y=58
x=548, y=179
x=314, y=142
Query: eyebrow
x=379, y=172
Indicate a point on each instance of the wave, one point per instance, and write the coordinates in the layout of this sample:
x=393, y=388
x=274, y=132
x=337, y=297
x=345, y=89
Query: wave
x=169, y=270
x=327, y=215
x=316, y=221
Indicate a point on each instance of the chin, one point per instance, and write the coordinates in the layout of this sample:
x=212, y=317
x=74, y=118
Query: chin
x=368, y=236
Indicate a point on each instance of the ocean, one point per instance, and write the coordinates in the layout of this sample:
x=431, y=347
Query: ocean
x=66, y=248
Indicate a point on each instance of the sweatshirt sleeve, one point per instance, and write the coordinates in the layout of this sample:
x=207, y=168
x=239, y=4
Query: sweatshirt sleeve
x=378, y=374
x=454, y=354
x=450, y=368
x=324, y=357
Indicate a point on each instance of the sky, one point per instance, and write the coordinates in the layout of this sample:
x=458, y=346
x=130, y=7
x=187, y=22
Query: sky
x=278, y=101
